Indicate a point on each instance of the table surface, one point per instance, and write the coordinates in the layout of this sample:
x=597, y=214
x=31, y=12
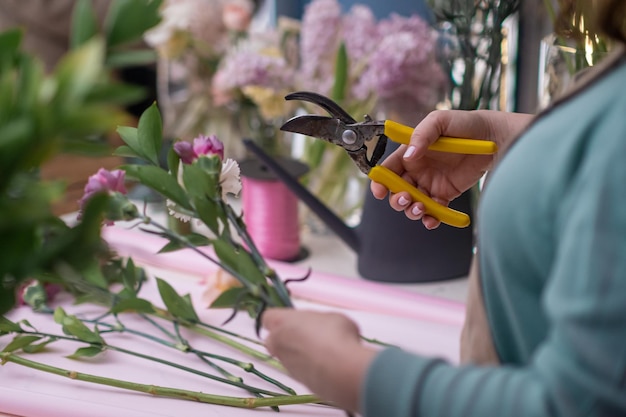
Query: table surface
x=329, y=255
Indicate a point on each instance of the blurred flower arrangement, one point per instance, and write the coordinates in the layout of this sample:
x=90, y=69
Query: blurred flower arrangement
x=386, y=66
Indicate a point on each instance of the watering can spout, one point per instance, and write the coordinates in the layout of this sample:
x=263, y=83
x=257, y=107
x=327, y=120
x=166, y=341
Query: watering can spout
x=346, y=233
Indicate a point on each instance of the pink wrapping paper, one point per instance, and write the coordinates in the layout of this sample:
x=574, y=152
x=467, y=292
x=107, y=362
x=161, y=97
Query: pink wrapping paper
x=414, y=322
x=350, y=293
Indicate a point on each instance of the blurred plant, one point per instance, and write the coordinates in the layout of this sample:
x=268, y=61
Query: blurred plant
x=470, y=43
x=42, y=115
x=124, y=24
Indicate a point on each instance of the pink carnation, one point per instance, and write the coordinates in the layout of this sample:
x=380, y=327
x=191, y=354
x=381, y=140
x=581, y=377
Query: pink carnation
x=103, y=181
x=202, y=145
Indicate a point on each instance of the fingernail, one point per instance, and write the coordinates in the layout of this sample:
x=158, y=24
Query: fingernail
x=416, y=211
x=403, y=201
x=409, y=152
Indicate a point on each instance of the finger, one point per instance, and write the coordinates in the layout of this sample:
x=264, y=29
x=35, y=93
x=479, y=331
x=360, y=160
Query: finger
x=394, y=161
x=400, y=201
x=379, y=191
x=272, y=318
x=415, y=211
x=425, y=134
x=430, y=222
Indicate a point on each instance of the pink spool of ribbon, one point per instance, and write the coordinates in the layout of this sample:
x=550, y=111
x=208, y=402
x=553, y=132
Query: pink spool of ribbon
x=270, y=209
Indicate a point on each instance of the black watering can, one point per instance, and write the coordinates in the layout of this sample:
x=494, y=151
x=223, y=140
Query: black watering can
x=390, y=247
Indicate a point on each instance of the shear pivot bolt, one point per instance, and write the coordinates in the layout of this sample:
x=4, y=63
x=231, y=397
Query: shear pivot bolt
x=348, y=137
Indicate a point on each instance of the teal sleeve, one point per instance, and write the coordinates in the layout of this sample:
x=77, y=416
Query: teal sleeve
x=401, y=384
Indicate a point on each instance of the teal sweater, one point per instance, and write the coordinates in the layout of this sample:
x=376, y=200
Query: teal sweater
x=552, y=247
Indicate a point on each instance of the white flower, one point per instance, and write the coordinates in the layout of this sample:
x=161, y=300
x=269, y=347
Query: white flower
x=173, y=210
x=230, y=180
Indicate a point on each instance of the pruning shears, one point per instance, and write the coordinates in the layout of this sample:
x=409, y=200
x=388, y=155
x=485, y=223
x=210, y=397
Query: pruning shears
x=343, y=130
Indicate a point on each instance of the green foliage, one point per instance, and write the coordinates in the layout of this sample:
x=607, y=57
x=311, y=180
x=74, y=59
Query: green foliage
x=124, y=25
x=178, y=306
x=69, y=110
x=73, y=326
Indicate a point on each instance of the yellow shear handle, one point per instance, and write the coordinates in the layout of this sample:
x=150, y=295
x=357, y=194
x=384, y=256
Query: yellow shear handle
x=402, y=134
x=396, y=184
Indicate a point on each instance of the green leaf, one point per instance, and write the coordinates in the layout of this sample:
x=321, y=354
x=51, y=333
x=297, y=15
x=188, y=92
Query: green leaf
x=27, y=323
x=93, y=275
x=193, y=238
x=19, y=342
x=118, y=94
x=341, y=74
x=198, y=183
x=73, y=326
x=78, y=72
x=86, y=352
x=129, y=276
x=173, y=162
x=240, y=261
x=38, y=347
x=207, y=212
x=30, y=80
x=176, y=305
x=160, y=181
x=7, y=326
x=84, y=23
x=232, y=296
x=121, y=59
x=150, y=133
x=203, y=190
x=10, y=41
x=137, y=305
x=59, y=315
x=130, y=137
x=127, y=20
x=127, y=152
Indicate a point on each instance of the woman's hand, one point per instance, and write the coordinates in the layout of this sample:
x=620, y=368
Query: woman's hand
x=321, y=350
x=441, y=175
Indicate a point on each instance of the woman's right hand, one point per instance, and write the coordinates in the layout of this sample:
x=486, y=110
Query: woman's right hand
x=441, y=175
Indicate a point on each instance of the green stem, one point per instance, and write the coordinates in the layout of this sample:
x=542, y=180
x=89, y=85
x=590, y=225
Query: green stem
x=163, y=391
x=189, y=245
x=240, y=347
x=260, y=261
x=227, y=341
x=158, y=360
x=246, y=366
x=233, y=334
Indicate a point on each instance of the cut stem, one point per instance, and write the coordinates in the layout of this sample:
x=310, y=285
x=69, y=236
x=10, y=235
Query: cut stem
x=182, y=394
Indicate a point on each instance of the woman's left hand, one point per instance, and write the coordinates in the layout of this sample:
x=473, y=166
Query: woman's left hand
x=321, y=350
